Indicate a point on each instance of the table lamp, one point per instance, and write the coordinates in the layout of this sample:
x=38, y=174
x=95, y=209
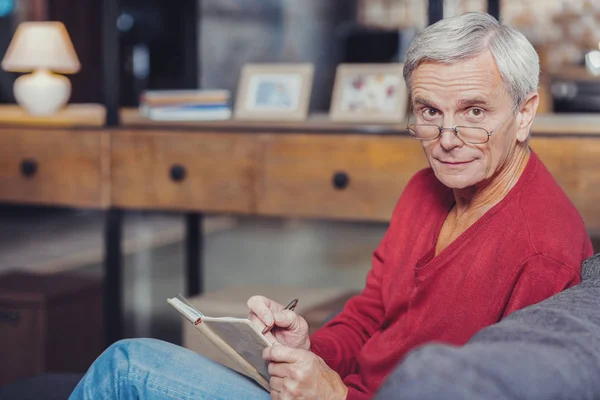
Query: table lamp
x=44, y=48
x=592, y=62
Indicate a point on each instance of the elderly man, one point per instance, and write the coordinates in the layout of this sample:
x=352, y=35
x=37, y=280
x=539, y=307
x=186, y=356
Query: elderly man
x=481, y=233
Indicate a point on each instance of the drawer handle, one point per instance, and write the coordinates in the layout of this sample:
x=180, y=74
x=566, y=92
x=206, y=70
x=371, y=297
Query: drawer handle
x=28, y=168
x=340, y=180
x=9, y=317
x=178, y=173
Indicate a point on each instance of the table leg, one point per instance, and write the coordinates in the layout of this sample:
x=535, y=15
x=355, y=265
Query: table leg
x=435, y=11
x=493, y=8
x=193, y=250
x=113, y=290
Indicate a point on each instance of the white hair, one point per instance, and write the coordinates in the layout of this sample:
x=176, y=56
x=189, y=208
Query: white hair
x=466, y=36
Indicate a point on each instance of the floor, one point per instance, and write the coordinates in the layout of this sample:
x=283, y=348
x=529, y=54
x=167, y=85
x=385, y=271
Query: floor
x=237, y=251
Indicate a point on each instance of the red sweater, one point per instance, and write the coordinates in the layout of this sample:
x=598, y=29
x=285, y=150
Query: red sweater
x=526, y=248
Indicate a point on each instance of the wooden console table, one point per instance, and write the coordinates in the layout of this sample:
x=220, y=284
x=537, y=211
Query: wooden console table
x=314, y=169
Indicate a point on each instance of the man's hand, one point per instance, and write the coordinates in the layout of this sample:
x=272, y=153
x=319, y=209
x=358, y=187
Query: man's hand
x=300, y=374
x=289, y=328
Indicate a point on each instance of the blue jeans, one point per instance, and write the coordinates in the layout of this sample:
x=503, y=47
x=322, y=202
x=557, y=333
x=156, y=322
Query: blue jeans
x=152, y=369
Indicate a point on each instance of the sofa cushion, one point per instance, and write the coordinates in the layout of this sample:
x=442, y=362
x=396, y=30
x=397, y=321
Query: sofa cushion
x=590, y=269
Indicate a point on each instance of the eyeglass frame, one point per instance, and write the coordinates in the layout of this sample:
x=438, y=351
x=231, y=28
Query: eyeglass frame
x=455, y=128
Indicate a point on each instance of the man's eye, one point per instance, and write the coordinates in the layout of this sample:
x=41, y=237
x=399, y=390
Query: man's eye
x=475, y=112
x=430, y=112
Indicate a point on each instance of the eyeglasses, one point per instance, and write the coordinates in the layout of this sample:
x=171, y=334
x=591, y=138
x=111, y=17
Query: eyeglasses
x=468, y=134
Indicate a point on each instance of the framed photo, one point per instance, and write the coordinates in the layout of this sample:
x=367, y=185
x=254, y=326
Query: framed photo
x=369, y=93
x=274, y=92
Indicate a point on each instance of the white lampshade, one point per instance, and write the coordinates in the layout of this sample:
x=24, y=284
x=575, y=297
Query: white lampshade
x=41, y=45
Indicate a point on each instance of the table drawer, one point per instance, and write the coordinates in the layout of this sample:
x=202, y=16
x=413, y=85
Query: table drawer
x=184, y=170
x=62, y=167
x=337, y=176
x=574, y=164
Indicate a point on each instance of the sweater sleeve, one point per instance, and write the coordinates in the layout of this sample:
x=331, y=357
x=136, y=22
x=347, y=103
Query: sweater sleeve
x=339, y=342
x=538, y=278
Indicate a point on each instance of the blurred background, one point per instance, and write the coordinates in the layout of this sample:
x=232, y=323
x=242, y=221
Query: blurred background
x=204, y=44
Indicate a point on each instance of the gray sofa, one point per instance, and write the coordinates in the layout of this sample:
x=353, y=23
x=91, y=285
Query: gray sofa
x=547, y=351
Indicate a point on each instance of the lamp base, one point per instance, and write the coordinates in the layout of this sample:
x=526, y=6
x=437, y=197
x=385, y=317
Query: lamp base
x=42, y=92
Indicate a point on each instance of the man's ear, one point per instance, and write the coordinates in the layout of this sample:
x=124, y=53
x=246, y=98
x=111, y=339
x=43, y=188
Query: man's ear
x=526, y=115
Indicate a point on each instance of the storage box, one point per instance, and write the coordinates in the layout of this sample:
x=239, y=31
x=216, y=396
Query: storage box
x=315, y=305
x=48, y=323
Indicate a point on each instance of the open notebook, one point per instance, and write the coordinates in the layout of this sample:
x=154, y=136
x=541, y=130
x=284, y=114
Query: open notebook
x=238, y=338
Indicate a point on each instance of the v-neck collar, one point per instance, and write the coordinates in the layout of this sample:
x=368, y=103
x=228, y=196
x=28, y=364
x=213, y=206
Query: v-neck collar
x=429, y=261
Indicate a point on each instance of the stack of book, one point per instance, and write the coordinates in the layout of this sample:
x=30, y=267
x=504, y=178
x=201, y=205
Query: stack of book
x=186, y=105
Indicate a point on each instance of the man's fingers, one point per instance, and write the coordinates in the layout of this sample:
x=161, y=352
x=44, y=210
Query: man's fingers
x=282, y=354
x=261, y=307
x=279, y=369
x=256, y=321
x=286, y=319
x=276, y=383
x=283, y=388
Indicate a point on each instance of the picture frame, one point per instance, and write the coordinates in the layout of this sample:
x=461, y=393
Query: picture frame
x=369, y=93
x=274, y=92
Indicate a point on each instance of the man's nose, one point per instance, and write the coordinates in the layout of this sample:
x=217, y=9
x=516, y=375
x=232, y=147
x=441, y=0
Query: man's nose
x=449, y=139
